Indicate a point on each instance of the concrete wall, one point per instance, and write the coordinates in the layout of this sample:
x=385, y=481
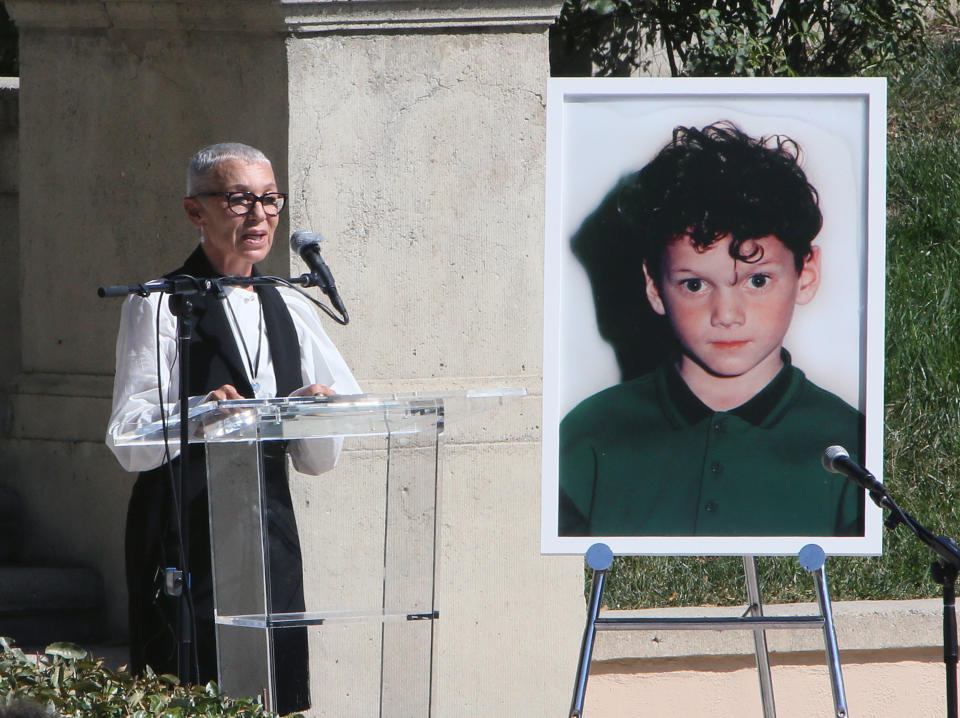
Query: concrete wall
x=112, y=106
x=442, y=183
x=412, y=135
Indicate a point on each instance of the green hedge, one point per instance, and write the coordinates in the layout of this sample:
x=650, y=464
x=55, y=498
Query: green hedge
x=66, y=680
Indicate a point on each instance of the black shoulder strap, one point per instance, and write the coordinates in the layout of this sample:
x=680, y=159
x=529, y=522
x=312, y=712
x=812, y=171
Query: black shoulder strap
x=282, y=337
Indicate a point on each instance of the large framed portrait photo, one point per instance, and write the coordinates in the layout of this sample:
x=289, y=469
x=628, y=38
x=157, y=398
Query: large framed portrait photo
x=713, y=314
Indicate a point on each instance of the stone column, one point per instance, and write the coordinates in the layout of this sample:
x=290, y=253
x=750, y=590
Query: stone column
x=114, y=98
x=411, y=134
x=417, y=148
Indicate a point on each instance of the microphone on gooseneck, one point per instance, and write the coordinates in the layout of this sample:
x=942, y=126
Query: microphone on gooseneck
x=307, y=245
x=837, y=460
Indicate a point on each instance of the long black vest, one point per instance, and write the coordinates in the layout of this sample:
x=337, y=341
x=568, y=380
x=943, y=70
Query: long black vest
x=151, y=534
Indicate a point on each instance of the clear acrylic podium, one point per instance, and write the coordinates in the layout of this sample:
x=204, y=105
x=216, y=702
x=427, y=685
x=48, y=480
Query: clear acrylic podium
x=368, y=530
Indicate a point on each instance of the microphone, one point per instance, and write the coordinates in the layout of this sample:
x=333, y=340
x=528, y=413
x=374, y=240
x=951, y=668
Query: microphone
x=837, y=460
x=307, y=245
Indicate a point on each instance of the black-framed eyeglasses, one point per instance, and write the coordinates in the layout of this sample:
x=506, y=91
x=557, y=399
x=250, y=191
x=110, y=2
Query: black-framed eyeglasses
x=242, y=202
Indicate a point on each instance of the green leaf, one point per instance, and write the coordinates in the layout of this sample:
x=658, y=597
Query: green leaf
x=170, y=679
x=601, y=7
x=65, y=650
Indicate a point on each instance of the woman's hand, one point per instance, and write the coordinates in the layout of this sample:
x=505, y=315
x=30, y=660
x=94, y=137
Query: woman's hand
x=314, y=390
x=227, y=391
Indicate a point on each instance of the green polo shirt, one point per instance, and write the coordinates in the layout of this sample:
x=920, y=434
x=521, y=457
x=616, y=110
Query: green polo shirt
x=648, y=458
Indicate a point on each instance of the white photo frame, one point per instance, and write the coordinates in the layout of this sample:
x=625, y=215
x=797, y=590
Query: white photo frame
x=600, y=129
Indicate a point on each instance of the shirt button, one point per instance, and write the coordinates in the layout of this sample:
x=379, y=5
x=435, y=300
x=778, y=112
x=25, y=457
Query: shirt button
x=711, y=506
x=716, y=467
x=718, y=426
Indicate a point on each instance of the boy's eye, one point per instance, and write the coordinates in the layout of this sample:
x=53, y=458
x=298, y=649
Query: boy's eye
x=692, y=285
x=758, y=281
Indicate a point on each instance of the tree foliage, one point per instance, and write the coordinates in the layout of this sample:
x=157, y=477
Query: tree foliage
x=735, y=37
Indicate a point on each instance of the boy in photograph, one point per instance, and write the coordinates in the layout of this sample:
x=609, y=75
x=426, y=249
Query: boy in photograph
x=724, y=438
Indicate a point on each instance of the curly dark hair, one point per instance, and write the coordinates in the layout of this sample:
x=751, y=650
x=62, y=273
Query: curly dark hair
x=717, y=181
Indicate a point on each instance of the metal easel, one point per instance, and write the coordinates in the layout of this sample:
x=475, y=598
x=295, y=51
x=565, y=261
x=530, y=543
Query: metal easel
x=599, y=557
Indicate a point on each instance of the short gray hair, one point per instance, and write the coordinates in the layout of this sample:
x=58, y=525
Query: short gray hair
x=202, y=163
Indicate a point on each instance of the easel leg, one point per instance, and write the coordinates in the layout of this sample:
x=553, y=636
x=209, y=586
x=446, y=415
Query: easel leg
x=599, y=558
x=813, y=559
x=759, y=637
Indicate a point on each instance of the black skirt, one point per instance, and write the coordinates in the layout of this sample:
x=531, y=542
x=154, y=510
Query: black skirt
x=152, y=545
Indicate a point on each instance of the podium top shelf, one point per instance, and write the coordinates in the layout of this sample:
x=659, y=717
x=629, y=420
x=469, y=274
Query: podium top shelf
x=288, y=418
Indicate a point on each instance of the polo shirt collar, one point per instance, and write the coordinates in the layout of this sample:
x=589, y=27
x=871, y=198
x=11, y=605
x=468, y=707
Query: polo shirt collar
x=684, y=408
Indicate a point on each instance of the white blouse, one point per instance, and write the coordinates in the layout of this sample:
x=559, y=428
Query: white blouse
x=135, y=397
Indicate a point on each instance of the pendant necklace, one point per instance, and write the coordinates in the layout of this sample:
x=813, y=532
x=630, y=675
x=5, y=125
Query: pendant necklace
x=253, y=365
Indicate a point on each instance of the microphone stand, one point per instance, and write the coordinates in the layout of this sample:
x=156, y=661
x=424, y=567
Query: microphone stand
x=182, y=289
x=944, y=572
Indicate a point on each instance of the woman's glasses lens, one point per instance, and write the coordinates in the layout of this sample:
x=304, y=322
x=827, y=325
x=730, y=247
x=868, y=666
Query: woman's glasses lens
x=242, y=202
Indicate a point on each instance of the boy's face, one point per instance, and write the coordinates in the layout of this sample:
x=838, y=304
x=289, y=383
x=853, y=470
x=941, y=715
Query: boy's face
x=730, y=316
